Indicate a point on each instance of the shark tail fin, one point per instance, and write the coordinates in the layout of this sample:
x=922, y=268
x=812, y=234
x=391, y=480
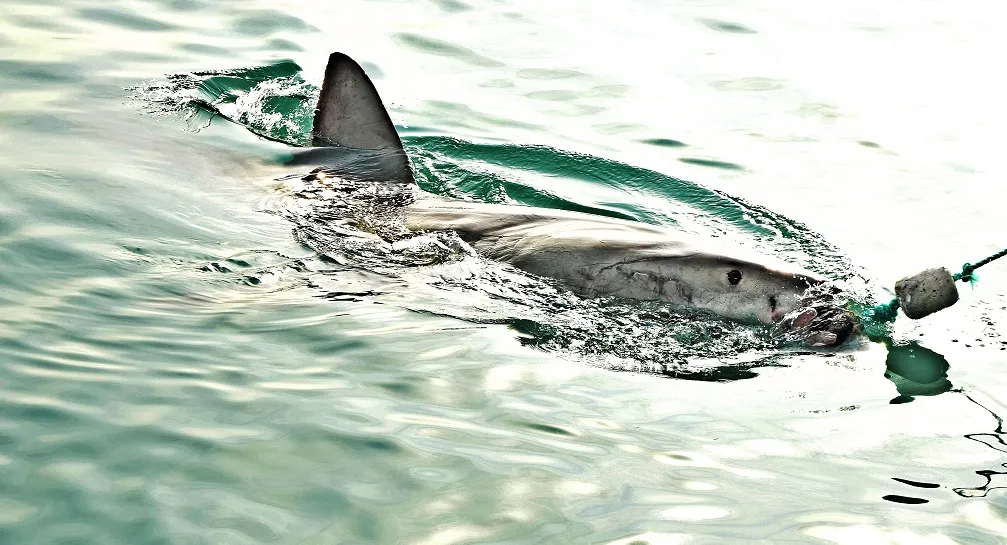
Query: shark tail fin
x=350, y=114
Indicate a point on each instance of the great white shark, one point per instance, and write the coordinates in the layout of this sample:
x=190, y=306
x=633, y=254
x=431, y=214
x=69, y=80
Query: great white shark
x=593, y=255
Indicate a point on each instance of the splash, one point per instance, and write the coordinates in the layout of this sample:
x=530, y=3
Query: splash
x=272, y=101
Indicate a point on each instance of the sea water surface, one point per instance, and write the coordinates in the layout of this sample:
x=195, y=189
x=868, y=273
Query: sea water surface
x=186, y=357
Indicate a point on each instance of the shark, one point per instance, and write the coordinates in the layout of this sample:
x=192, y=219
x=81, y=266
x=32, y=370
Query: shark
x=353, y=135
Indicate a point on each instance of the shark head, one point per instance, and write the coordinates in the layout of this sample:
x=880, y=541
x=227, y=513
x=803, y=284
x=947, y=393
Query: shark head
x=742, y=290
x=801, y=306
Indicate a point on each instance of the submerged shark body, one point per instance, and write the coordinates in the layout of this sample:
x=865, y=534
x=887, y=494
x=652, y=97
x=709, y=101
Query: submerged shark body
x=594, y=255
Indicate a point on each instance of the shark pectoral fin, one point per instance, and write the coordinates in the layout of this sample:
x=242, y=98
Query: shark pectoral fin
x=350, y=113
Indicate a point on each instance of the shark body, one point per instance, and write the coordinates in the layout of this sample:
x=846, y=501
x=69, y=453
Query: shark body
x=593, y=255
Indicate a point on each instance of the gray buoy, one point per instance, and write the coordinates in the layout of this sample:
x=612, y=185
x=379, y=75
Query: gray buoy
x=927, y=292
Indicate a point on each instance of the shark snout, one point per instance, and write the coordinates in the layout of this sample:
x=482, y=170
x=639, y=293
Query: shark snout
x=783, y=303
x=790, y=296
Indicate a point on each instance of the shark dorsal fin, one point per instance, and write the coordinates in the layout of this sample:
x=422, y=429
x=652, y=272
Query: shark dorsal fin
x=350, y=113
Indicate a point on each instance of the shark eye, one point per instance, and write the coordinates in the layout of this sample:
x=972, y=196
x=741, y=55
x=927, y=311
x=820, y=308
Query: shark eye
x=734, y=277
x=772, y=301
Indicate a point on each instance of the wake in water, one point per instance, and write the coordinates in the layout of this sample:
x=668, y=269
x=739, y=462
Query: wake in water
x=360, y=256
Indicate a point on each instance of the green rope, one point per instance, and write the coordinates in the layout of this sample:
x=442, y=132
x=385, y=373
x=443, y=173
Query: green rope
x=889, y=311
x=967, y=269
x=886, y=312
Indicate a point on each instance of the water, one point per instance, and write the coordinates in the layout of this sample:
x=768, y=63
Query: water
x=176, y=368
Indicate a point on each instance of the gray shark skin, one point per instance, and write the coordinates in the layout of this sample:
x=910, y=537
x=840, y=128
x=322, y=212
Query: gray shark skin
x=593, y=255
x=598, y=255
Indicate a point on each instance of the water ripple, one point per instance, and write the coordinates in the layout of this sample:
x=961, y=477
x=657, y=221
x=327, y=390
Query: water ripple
x=178, y=367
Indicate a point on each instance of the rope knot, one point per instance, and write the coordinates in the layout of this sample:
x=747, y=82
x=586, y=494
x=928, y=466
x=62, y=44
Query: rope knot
x=966, y=274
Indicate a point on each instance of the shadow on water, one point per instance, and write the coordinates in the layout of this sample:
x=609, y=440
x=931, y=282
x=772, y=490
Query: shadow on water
x=996, y=440
x=919, y=371
x=916, y=371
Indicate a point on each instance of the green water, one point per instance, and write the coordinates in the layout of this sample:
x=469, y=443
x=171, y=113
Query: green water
x=174, y=372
